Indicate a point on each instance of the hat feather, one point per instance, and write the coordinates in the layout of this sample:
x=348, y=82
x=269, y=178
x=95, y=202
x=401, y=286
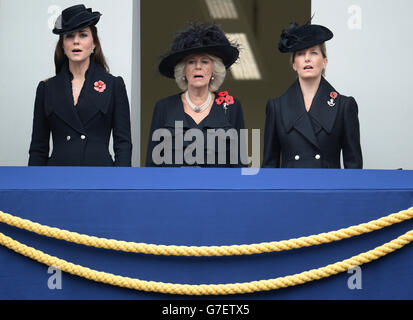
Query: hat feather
x=199, y=35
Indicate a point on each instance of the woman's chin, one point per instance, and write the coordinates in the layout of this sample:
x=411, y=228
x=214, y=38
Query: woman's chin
x=77, y=59
x=309, y=76
x=197, y=85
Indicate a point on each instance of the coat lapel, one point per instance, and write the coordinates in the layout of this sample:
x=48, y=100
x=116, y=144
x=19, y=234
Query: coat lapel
x=295, y=115
x=216, y=118
x=60, y=100
x=320, y=111
x=176, y=113
x=91, y=101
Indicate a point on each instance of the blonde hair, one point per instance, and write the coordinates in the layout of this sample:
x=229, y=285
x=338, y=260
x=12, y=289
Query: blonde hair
x=218, y=71
x=323, y=50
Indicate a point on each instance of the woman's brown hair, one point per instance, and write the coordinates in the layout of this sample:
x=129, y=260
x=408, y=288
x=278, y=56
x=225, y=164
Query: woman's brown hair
x=98, y=57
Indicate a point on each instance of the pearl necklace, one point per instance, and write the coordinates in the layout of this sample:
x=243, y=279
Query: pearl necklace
x=202, y=107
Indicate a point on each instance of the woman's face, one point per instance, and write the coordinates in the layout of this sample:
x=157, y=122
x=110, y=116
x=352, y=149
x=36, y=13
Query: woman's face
x=198, y=70
x=78, y=46
x=309, y=63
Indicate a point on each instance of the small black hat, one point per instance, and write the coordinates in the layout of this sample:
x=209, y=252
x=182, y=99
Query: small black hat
x=297, y=37
x=198, y=38
x=75, y=18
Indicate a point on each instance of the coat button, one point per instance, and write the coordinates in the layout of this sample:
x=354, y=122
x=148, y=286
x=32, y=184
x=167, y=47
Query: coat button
x=317, y=156
x=82, y=137
x=68, y=138
x=297, y=157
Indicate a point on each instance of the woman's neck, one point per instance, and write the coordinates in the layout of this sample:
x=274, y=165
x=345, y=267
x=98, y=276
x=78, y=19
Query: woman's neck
x=198, y=93
x=309, y=87
x=78, y=69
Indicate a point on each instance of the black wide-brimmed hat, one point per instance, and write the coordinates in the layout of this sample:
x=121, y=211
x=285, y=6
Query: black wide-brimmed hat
x=297, y=37
x=198, y=38
x=75, y=18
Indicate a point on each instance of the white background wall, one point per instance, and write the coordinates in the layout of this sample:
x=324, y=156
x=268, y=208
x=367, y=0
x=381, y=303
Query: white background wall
x=370, y=58
x=26, y=57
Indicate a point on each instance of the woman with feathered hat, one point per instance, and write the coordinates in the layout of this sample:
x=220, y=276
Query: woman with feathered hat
x=83, y=104
x=311, y=123
x=183, y=125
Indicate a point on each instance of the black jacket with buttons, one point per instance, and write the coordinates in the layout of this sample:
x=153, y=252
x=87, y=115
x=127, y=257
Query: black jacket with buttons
x=295, y=138
x=81, y=134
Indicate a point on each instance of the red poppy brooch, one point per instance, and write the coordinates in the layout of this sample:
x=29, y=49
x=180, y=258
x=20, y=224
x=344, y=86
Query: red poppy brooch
x=225, y=99
x=100, y=86
x=332, y=101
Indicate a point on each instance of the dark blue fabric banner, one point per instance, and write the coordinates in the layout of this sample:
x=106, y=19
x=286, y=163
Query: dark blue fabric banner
x=204, y=207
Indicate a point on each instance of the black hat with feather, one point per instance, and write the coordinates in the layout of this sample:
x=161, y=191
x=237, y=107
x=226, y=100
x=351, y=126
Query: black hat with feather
x=198, y=38
x=297, y=38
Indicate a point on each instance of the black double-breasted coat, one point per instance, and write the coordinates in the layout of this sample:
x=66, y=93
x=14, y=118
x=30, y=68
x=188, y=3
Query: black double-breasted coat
x=295, y=138
x=169, y=115
x=81, y=133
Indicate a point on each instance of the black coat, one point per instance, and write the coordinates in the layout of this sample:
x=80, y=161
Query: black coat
x=169, y=110
x=295, y=138
x=81, y=134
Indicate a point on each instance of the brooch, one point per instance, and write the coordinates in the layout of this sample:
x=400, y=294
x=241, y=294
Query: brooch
x=333, y=96
x=226, y=99
x=100, y=86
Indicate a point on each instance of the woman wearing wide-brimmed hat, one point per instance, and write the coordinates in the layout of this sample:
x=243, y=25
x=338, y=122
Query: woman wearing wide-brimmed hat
x=199, y=126
x=83, y=104
x=311, y=123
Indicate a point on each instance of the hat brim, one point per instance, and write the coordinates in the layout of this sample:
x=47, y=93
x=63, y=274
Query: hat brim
x=307, y=45
x=93, y=20
x=228, y=54
x=309, y=35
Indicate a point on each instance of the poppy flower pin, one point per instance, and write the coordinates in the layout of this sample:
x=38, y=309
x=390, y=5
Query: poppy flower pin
x=225, y=99
x=100, y=86
x=333, y=96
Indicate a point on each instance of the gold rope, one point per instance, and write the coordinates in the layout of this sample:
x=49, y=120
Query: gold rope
x=209, y=251
x=210, y=289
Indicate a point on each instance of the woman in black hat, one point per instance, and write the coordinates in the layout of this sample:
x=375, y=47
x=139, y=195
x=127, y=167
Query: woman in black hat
x=83, y=104
x=311, y=123
x=197, y=127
